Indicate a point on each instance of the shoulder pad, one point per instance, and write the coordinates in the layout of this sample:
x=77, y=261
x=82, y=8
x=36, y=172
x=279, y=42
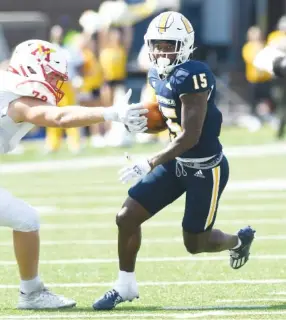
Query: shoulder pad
x=192, y=77
x=23, y=86
x=37, y=89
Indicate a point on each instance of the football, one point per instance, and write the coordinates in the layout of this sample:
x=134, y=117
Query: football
x=156, y=121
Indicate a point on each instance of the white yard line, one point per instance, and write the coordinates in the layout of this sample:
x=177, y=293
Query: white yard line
x=158, y=283
x=151, y=224
x=74, y=211
x=251, y=300
x=102, y=316
x=256, y=150
x=177, y=240
x=109, y=210
x=222, y=313
x=83, y=261
x=282, y=293
x=69, y=192
x=147, y=315
x=74, y=199
x=233, y=186
x=257, y=185
x=86, y=199
x=74, y=191
x=254, y=196
x=115, y=161
x=80, y=316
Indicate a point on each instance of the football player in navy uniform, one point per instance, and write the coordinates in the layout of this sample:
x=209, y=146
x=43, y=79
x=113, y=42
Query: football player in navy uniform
x=193, y=162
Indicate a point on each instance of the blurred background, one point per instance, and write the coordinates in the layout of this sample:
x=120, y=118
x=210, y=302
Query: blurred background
x=105, y=48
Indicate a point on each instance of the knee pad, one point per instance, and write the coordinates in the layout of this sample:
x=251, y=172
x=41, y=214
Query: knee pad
x=17, y=214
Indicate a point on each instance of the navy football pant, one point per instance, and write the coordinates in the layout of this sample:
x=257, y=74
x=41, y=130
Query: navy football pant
x=203, y=189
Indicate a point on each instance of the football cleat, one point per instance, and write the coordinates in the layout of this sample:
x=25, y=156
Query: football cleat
x=43, y=299
x=239, y=256
x=110, y=300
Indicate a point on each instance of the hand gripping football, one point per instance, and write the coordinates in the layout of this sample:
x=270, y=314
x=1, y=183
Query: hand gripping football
x=156, y=121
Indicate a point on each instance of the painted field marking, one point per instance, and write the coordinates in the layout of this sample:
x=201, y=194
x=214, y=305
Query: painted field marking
x=177, y=240
x=224, y=313
x=81, y=261
x=115, y=161
x=251, y=300
x=108, y=210
x=159, y=283
x=154, y=224
x=147, y=315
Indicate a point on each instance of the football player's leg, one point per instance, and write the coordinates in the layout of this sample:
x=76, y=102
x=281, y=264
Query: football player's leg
x=200, y=212
x=73, y=139
x=72, y=134
x=53, y=139
x=158, y=189
x=129, y=220
x=24, y=222
x=201, y=207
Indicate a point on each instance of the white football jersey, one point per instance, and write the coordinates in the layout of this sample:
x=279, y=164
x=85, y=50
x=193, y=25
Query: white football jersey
x=12, y=87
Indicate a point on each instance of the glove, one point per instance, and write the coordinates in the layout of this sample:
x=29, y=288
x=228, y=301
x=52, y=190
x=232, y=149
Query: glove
x=132, y=115
x=135, y=171
x=265, y=58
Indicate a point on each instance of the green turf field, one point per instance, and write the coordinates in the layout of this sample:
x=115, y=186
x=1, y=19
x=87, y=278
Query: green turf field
x=78, y=253
x=229, y=136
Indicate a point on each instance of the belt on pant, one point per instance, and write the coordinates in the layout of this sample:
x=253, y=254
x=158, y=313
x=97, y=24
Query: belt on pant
x=198, y=164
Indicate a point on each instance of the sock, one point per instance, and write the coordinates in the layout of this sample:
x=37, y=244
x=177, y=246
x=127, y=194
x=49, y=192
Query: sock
x=126, y=277
x=238, y=244
x=27, y=286
x=125, y=285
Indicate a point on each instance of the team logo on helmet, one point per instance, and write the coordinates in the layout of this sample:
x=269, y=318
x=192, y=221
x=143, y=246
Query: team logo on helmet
x=187, y=24
x=165, y=22
x=43, y=53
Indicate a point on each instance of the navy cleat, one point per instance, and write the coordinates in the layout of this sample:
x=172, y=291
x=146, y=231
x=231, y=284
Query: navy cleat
x=239, y=256
x=109, y=301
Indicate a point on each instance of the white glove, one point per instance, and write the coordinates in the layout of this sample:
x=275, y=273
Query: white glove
x=132, y=115
x=135, y=171
x=265, y=58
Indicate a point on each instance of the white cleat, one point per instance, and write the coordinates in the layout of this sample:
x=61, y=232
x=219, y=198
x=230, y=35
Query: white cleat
x=43, y=299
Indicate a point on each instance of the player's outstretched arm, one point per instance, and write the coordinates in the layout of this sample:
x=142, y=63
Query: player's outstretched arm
x=34, y=111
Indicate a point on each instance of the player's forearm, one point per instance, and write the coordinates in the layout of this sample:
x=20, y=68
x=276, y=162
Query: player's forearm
x=174, y=149
x=77, y=116
x=67, y=117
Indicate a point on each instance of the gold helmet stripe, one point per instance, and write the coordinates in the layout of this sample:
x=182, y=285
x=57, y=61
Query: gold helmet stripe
x=187, y=24
x=163, y=21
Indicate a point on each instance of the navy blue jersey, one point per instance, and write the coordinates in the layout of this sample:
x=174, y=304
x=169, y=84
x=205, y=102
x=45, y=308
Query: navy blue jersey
x=187, y=78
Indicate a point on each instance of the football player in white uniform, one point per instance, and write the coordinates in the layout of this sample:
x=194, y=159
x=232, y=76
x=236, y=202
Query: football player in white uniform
x=29, y=92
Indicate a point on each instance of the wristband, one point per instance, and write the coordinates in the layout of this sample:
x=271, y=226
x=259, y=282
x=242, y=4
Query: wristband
x=109, y=114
